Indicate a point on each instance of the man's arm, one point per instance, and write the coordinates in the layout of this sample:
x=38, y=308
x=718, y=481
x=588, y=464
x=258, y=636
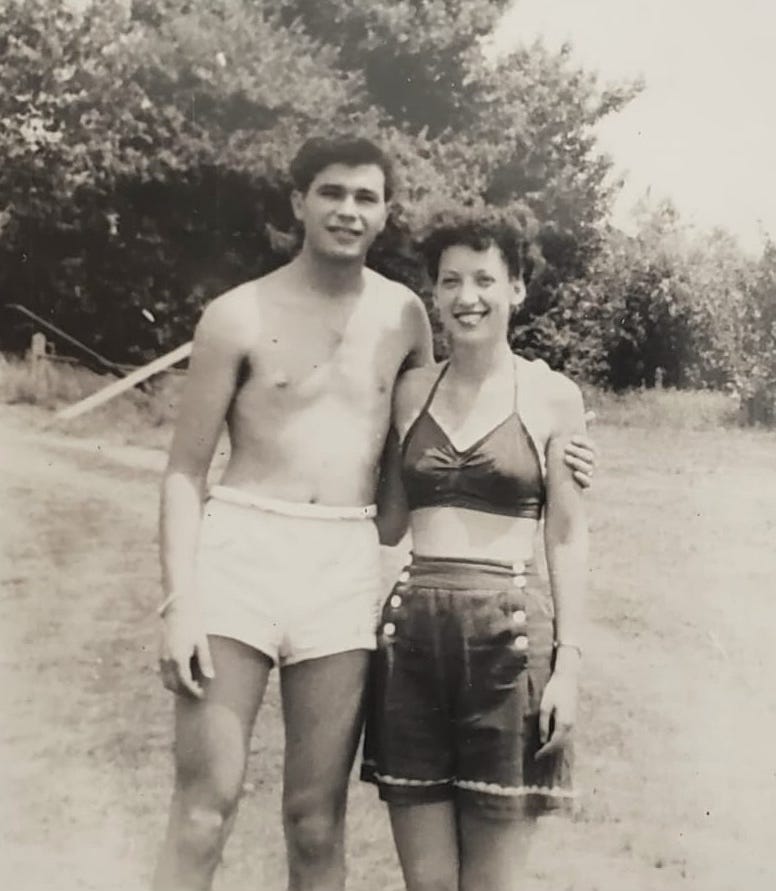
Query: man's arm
x=421, y=341
x=580, y=455
x=392, y=511
x=208, y=391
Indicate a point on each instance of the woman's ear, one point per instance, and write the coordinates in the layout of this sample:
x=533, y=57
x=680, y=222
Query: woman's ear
x=518, y=292
x=297, y=201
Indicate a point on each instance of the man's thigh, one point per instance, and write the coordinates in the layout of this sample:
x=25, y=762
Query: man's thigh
x=323, y=703
x=212, y=734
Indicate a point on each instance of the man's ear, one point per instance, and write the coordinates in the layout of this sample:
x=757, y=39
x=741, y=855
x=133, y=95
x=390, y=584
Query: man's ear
x=297, y=200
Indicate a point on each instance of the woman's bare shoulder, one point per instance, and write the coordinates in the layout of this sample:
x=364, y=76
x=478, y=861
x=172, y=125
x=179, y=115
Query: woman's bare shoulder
x=412, y=390
x=565, y=402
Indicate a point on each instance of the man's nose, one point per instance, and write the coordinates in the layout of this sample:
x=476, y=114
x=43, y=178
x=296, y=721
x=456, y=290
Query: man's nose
x=347, y=206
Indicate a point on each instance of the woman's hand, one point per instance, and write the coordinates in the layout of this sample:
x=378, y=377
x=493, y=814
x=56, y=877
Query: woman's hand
x=557, y=713
x=184, y=656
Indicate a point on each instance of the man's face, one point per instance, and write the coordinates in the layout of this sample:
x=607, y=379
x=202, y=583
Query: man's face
x=343, y=211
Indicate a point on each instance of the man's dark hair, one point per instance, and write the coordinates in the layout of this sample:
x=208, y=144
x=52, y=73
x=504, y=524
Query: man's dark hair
x=318, y=153
x=479, y=234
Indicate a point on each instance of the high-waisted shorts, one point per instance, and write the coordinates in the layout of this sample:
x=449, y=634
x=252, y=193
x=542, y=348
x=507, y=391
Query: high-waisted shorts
x=295, y=582
x=464, y=651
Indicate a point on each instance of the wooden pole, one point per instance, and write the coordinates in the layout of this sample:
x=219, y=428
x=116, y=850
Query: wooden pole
x=37, y=358
x=126, y=383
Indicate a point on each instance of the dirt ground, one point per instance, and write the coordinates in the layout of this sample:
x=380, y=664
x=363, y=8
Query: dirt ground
x=675, y=746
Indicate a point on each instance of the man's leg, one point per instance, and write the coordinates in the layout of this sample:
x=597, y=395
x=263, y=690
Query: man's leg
x=212, y=738
x=322, y=706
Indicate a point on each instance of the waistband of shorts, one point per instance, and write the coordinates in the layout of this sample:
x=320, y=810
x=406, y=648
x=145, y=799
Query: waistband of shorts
x=292, y=508
x=463, y=573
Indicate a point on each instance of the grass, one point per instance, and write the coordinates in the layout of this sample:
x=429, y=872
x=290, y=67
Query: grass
x=664, y=409
x=674, y=748
x=137, y=417
x=146, y=418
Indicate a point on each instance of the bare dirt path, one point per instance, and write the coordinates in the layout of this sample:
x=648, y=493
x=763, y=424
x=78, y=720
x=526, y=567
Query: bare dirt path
x=77, y=576
x=678, y=721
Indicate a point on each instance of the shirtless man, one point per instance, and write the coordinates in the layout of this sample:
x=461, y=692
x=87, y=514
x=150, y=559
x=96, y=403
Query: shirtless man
x=280, y=565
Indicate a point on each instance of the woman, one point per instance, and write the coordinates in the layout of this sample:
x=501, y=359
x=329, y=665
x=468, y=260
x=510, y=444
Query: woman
x=475, y=678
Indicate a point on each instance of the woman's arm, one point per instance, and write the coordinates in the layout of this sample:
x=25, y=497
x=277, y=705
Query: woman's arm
x=565, y=536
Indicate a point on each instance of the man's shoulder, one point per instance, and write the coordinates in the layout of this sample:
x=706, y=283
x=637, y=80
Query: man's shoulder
x=234, y=315
x=401, y=296
x=414, y=384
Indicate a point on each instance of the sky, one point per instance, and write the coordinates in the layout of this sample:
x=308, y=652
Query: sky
x=703, y=131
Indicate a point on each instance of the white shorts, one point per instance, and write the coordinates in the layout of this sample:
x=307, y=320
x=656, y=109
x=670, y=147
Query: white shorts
x=294, y=587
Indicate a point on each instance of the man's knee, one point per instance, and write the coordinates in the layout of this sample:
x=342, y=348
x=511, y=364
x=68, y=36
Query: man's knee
x=204, y=822
x=314, y=827
x=205, y=806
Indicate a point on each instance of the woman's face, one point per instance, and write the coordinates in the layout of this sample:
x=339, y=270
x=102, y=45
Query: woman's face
x=475, y=294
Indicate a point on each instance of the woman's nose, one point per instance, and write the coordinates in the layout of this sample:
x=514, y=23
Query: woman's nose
x=468, y=295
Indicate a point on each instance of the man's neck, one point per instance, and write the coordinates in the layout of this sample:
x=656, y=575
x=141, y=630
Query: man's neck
x=324, y=277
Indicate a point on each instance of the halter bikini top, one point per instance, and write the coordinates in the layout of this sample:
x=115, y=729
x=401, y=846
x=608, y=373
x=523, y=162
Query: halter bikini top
x=501, y=473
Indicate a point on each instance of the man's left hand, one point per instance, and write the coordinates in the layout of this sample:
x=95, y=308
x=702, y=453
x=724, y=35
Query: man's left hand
x=580, y=456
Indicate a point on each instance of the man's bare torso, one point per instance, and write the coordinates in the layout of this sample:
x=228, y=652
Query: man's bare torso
x=312, y=401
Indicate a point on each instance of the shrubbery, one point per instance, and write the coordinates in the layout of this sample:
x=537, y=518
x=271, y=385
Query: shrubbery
x=145, y=146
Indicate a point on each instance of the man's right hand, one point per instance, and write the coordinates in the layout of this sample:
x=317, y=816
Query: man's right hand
x=184, y=657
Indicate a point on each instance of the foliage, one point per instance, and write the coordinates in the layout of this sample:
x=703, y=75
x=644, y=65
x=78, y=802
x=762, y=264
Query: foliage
x=144, y=159
x=754, y=361
x=145, y=153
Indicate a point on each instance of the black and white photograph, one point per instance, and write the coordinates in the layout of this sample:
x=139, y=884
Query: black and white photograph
x=387, y=445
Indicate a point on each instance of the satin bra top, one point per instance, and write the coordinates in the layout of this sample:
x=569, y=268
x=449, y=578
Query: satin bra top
x=499, y=474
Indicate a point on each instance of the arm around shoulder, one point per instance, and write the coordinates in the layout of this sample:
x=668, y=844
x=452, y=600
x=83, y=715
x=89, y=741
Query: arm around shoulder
x=420, y=337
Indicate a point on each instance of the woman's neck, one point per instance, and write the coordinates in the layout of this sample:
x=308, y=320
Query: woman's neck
x=477, y=362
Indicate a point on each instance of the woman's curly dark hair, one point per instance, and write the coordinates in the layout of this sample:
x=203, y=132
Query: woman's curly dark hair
x=478, y=232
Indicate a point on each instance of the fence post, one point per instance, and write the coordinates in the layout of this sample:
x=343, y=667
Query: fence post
x=37, y=360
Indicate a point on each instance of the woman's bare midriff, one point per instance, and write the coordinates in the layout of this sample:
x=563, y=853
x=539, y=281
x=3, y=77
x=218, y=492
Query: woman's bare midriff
x=469, y=534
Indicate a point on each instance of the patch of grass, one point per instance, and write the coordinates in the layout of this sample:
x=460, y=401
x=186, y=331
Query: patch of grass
x=145, y=417
x=137, y=417
x=664, y=409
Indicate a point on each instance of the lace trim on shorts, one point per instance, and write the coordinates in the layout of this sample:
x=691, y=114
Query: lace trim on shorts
x=514, y=791
x=401, y=781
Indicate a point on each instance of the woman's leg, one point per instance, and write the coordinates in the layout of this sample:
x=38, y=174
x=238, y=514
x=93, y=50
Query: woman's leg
x=493, y=851
x=426, y=838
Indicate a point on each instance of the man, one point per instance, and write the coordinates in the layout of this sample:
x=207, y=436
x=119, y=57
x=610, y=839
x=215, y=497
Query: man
x=282, y=564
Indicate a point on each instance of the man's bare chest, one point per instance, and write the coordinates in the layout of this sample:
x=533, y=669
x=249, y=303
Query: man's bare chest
x=319, y=361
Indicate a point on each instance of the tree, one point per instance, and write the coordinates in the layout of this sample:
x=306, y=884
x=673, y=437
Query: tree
x=144, y=167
